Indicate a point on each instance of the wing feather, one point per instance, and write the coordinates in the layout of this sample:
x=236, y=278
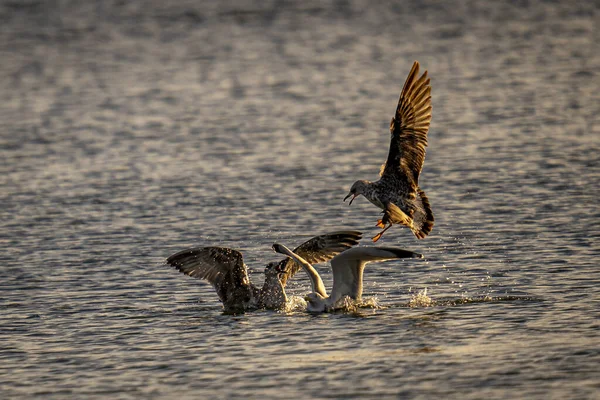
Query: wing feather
x=224, y=268
x=409, y=129
x=319, y=249
x=349, y=266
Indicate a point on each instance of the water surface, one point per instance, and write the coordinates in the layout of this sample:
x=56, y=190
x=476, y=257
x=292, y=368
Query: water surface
x=133, y=130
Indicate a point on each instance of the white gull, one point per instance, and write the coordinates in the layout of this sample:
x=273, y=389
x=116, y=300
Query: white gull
x=348, y=268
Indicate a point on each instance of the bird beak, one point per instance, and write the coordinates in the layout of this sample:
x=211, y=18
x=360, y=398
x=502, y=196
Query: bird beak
x=352, y=199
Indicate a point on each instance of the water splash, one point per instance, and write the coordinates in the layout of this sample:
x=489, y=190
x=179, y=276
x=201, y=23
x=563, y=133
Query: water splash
x=295, y=303
x=371, y=302
x=346, y=304
x=421, y=299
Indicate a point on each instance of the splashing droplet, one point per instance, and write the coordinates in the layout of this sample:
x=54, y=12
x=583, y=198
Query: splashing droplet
x=421, y=299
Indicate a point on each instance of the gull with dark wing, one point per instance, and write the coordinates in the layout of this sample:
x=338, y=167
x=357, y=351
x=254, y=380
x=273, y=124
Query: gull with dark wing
x=225, y=269
x=397, y=191
x=348, y=268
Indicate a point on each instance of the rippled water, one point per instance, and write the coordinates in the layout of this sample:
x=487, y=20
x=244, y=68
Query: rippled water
x=133, y=130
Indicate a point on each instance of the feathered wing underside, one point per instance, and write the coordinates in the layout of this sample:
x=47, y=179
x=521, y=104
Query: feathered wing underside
x=224, y=268
x=347, y=278
x=348, y=268
x=319, y=249
x=409, y=129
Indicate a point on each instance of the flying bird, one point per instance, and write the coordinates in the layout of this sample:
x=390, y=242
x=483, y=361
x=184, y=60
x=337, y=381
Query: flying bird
x=224, y=268
x=348, y=268
x=397, y=191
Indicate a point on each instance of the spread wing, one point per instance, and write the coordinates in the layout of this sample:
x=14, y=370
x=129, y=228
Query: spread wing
x=348, y=268
x=409, y=129
x=319, y=249
x=224, y=268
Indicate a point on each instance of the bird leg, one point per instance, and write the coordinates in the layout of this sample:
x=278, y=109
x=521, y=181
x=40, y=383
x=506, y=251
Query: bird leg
x=380, y=224
x=378, y=236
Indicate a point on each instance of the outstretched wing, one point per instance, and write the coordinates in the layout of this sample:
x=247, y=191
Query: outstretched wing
x=409, y=129
x=319, y=249
x=224, y=268
x=348, y=268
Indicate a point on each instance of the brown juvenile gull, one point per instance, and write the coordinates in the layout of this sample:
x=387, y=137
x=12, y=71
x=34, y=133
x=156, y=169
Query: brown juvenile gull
x=225, y=269
x=397, y=191
x=348, y=268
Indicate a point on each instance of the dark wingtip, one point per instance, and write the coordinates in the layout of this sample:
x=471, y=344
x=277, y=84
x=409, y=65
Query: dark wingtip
x=350, y=238
x=175, y=260
x=401, y=253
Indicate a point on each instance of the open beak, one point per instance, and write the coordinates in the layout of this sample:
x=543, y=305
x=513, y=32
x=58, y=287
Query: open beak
x=352, y=199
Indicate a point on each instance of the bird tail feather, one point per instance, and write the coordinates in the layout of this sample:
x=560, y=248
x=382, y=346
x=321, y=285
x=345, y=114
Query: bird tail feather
x=423, y=216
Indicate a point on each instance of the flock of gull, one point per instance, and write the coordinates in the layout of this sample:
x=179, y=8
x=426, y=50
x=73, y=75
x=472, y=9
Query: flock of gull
x=396, y=193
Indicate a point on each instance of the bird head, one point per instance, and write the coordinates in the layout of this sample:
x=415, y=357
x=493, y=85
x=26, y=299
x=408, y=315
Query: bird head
x=277, y=268
x=316, y=303
x=357, y=189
